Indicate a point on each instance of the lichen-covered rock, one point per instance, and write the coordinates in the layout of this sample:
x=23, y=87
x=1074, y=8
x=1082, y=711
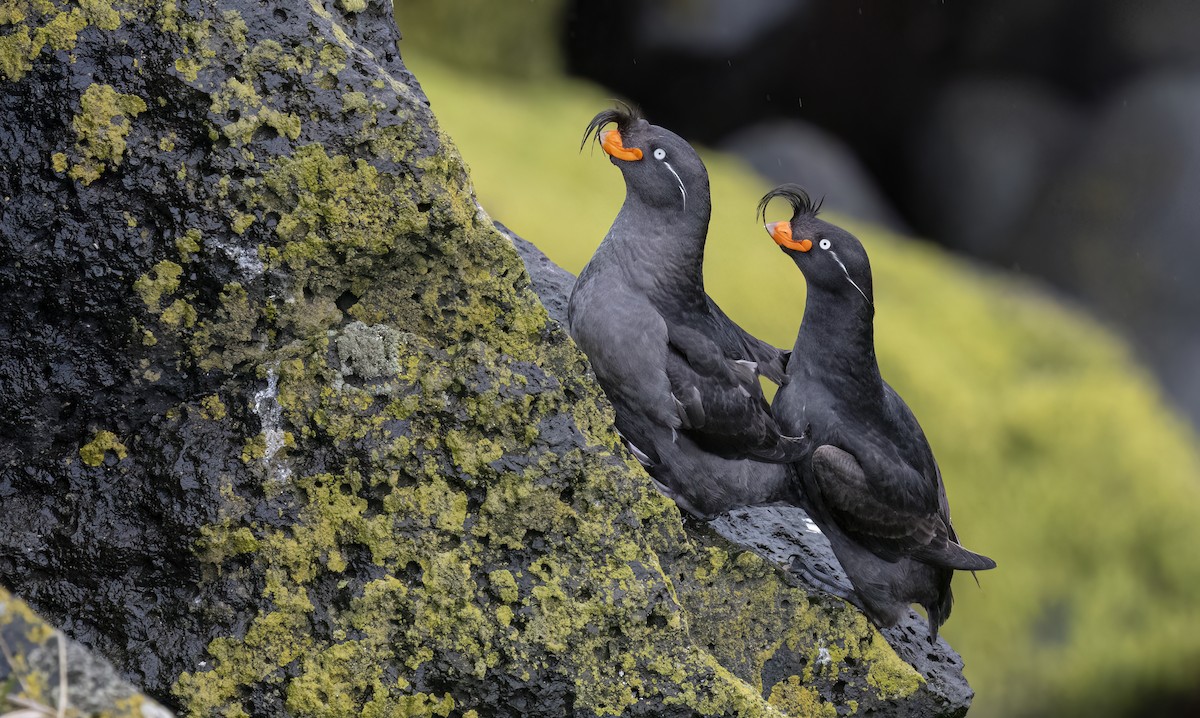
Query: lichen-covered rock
x=34, y=660
x=285, y=431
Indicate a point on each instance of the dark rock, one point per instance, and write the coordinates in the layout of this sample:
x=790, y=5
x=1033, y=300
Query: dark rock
x=792, y=151
x=286, y=433
x=1148, y=36
x=709, y=27
x=985, y=155
x=1118, y=228
x=550, y=282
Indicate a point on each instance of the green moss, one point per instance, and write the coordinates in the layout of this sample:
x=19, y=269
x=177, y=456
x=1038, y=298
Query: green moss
x=355, y=102
x=197, y=51
x=428, y=407
x=102, y=127
x=226, y=337
x=93, y=452
x=254, y=449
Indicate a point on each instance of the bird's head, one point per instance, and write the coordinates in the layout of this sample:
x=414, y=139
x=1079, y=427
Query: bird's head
x=660, y=168
x=831, y=258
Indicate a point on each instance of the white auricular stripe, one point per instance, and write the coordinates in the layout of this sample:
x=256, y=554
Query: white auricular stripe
x=847, y=273
x=681, y=189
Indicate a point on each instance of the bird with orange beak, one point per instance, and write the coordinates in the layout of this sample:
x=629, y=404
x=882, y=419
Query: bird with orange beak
x=869, y=479
x=682, y=377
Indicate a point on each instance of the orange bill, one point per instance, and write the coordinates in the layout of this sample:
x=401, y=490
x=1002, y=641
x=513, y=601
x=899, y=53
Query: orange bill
x=781, y=232
x=611, y=142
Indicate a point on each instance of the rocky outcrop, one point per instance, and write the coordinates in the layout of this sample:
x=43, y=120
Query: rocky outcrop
x=286, y=432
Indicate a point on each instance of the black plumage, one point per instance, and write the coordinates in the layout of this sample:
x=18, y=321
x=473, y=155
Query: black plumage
x=682, y=377
x=870, y=480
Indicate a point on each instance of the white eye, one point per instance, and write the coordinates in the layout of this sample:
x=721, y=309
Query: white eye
x=660, y=153
x=824, y=244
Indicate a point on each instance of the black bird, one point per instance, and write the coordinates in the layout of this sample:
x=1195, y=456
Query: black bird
x=682, y=377
x=870, y=481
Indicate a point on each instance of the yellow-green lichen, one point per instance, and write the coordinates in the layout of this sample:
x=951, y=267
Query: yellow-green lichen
x=162, y=280
x=43, y=24
x=887, y=673
x=102, y=127
x=800, y=701
x=93, y=452
x=241, y=221
x=16, y=52
x=188, y=244
x=59, y=161
x=11, y=12
x=212, y=408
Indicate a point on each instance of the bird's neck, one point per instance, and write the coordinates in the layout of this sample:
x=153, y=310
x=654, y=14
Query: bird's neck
x=663, y=248
x=836, y=341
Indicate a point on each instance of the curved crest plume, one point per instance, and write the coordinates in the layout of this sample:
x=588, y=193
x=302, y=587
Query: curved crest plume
x=796, y=196
x=623, y=115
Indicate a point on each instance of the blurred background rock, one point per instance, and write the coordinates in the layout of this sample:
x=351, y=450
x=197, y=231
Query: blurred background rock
x=1053, y=146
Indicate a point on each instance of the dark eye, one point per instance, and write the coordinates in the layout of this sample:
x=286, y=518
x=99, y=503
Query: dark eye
x=824, y=244
x=660, y=154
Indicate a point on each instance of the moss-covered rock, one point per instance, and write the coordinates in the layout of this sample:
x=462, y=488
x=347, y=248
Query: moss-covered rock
x=286, y=432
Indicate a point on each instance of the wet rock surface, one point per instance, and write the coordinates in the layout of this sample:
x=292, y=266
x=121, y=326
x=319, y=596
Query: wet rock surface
x=285, y=431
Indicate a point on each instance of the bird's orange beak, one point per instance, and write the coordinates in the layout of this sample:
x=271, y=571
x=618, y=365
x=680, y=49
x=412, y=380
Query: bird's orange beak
x=611, y=142
x=781, y=232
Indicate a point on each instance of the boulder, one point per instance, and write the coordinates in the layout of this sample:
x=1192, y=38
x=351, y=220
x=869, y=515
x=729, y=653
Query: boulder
x=286, y=432
x=794, y=151
x=1118, y=228
x=985, y=154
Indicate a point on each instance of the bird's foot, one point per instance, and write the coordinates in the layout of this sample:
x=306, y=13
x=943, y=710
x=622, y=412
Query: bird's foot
x=826, y=583
x=681, y=501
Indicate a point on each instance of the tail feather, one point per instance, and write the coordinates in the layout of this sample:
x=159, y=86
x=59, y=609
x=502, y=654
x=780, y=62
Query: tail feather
x=952, y=555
